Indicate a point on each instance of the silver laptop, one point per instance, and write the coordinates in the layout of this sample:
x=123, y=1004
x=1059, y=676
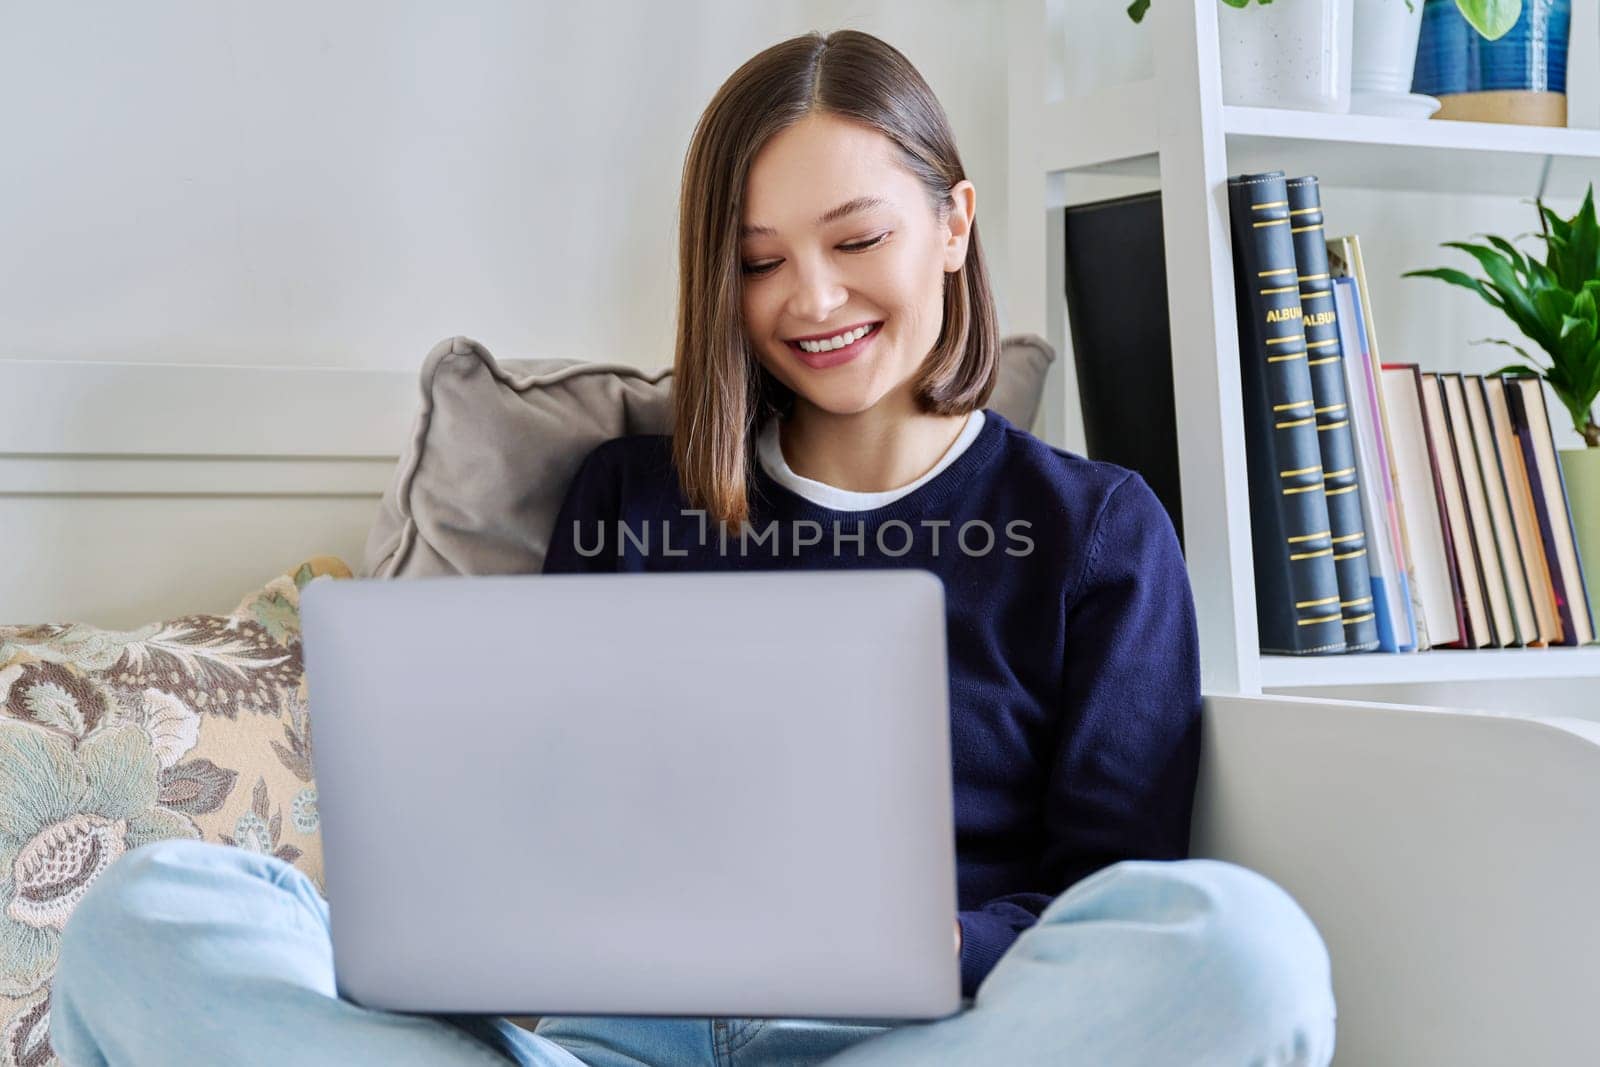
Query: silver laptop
x=643, y=794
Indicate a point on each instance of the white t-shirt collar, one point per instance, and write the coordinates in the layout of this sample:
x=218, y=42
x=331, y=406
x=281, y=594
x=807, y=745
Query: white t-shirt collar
x=770, y=454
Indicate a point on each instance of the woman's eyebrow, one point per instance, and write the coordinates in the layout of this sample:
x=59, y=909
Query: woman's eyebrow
x=849, y=207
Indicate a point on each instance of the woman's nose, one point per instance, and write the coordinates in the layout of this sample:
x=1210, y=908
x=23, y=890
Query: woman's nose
x=817, y=293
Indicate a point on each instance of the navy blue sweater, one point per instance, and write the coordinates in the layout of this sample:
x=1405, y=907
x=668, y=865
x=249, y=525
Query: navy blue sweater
x=1074, y=666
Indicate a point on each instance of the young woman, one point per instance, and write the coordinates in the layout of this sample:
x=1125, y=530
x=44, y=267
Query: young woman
x=837, y=341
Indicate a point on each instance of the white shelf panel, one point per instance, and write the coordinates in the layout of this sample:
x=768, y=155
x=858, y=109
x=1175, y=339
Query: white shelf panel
x=1436, y=665
x=1113, y=126
x=1115, y=132
x=1412, y=154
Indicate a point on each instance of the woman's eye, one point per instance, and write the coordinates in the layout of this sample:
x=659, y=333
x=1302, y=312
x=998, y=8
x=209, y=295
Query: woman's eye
x=861, y=246
x=855, y=246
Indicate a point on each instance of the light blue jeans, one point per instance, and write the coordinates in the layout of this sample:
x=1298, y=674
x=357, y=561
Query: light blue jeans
x=184, y=952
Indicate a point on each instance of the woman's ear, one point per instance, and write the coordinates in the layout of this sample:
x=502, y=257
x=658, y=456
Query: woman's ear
x=962, y=209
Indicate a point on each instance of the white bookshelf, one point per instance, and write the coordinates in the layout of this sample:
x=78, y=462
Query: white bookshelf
x=1174, y=131
x=1114, y=132
x=1435, y=665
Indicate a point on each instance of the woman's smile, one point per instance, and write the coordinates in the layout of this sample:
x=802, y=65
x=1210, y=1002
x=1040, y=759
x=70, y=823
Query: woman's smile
x=833, y=357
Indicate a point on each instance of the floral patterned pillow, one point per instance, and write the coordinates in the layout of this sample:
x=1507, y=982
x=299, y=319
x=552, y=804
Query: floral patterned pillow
x=195, y=727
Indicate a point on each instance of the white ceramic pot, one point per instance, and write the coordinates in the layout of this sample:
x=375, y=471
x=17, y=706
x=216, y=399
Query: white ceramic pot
x=1290, y=53
x=1385, y=45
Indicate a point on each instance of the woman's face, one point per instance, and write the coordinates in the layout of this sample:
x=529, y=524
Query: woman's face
x=881, y=265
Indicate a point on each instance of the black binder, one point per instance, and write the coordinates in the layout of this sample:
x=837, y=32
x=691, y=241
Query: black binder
x=1297, y=586
x=1116, y=280
x=1340, y=476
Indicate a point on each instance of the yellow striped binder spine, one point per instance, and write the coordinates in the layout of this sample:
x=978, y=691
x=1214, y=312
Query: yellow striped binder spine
x=1298, y=603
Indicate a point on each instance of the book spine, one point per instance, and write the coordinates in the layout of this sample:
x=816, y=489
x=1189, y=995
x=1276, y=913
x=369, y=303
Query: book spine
x=1452, y=589
x=1516, y=401
x=1397, y=510
x=1524, y=521
x=1497, y=489
x=1555, y=487
x=1447, y=470
x=1325, y=362
x=1297, y=585
x=1391, y=620
x=1369, y=382
x=1344, y=261
x=1475, y=501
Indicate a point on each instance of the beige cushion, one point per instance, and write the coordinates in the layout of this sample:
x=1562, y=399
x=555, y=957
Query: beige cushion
x=491, y=451
x=191, y=727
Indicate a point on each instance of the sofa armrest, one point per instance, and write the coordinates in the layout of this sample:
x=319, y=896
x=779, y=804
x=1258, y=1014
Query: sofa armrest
x=1448, y=857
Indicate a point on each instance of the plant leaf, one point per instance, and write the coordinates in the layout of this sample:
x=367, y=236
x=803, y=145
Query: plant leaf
x=1445, y=274
x=1556, y=304
x=1137, y=9
x=1583, y=245
x=1456, y=277
x=1550, y=307
x=1519, y=304
x=1509, y=250
x=1491, y=18
x=1540, y=275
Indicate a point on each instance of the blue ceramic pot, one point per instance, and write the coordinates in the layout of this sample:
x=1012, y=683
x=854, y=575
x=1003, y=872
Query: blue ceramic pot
x=1452, y=57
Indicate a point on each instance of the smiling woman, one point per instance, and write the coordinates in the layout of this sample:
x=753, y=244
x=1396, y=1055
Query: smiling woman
x=836, y=347
x=823, y=196
x=863, y=284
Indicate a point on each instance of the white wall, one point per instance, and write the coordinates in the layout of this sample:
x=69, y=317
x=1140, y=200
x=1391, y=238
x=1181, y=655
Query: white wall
x=345, y=183
x=339, y=184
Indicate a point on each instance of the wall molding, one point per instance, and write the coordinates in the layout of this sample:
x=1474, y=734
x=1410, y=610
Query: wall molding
x=135, y=475
x=81, y=407
x=132, y=492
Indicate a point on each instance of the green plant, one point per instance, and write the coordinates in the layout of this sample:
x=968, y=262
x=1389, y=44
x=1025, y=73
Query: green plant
x=1553, y=303
x=1491, y=18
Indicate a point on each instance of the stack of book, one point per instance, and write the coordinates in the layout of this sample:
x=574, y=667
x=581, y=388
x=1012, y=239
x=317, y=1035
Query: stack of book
x=1392, y=509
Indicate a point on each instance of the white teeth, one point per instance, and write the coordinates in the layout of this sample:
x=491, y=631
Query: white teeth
x=838, y=341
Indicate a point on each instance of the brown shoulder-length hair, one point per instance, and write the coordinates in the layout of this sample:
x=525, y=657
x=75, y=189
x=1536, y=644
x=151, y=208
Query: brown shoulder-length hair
x=720, y=391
